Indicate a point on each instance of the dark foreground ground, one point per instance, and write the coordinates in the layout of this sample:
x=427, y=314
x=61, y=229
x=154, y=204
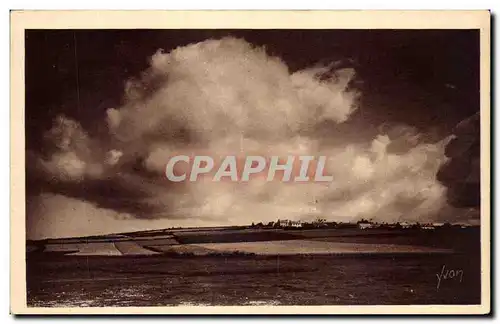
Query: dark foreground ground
x=336, y=279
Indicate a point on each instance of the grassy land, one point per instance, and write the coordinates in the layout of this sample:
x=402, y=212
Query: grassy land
x=277, y=280
x=199, y=242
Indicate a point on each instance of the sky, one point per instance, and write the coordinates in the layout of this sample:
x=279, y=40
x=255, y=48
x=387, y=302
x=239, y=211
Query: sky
x=395, y=111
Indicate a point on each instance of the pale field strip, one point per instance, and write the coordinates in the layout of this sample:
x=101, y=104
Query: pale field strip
x=290, y=247
x=100, y=248
x=131, y=248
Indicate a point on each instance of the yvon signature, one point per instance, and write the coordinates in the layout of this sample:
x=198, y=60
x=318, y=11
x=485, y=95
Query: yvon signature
x=447, y=274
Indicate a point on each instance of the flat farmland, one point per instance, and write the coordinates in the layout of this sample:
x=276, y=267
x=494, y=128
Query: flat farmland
x=291, y=247
x=272, y=267
x=234, y=236
x=98, y=248
x=132, y=248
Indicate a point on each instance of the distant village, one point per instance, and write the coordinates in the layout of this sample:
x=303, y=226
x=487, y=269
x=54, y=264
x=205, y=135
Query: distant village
x=361, y=224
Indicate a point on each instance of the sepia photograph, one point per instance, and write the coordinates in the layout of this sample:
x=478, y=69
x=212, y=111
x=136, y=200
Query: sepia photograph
x=298, y=162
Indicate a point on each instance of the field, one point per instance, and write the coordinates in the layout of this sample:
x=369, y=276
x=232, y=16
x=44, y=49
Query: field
x=296, y=267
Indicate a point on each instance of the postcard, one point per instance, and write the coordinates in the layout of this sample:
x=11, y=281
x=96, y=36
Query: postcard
x=250, y=162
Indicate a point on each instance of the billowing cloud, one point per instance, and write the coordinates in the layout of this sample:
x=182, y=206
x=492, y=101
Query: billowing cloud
x=227, y=97
x=461, y=173
x=68, y=151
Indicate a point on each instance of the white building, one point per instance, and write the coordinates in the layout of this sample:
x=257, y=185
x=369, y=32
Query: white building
x=289, y=223
x=365, y=225
x=405, y=225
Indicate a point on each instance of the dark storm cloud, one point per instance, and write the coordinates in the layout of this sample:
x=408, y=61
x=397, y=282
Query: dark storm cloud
x=74, y=164
x=119, y=194
x=127, y=188
x=461, y=173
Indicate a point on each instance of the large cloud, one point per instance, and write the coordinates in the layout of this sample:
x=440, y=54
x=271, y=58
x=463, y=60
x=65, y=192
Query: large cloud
x=461, y=173
x=226, y=97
